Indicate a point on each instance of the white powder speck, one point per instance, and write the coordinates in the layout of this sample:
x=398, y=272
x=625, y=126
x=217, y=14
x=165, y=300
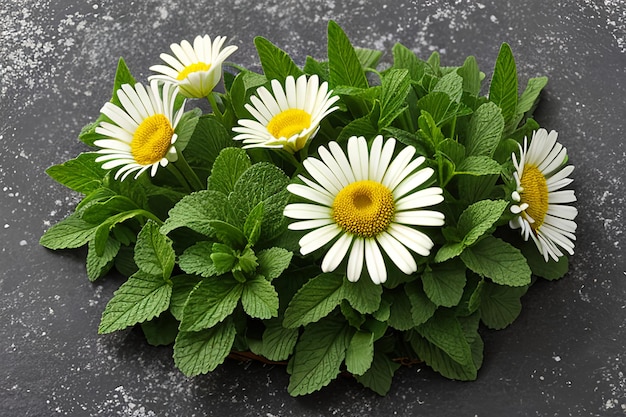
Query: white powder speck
x=557, y=358
x=23, y=243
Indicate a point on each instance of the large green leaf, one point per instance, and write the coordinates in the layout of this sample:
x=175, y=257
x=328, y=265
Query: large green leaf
x=209, y=303
x=275, y=62
x=345, y=67
x=503, y=87
x=499, y=261
x=318, y=297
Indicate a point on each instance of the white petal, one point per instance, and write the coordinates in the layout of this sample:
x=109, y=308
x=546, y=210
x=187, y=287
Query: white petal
x=336, y=253
x=375, y=262
x=397, y=253
x=310, y=194
x=422, y=198
x=355, y=260
x=318, y=238
x=413, y=239
x=310, y=224
x=420, y=218
x=307, y=211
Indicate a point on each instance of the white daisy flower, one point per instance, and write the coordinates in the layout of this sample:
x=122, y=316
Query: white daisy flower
x=196, y=69
x=288, y=118
x=543, y=213
x=368, y=201
x=142, y=134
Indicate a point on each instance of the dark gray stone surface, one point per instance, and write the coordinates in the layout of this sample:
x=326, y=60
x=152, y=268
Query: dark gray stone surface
x=564, y=356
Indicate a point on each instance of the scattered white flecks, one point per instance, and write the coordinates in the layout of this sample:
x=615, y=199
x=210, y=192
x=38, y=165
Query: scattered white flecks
x=493, y=19
x=23, y=243
x=614, y=14
x=557, y=358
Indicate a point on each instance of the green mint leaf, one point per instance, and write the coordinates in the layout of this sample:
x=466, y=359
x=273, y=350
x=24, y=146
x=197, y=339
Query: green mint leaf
x=244, y=85
x=247, y=261
x=141, y=298
x=378, y=377
x=400, y=317
x=318, y=356
x=197, y=260
x=529, y=98
x=228, y=234
x=316, y=299
x=441, y=107
x=273, y=261
x=478, y=165
x=185, y=128
x=395, y=87
x=160, y=331
x=343, y=62
x=503, y=88
x=500, y=305
x=278, y=342
x=499, y=261
x=196, y=211
x=223, y=258
x=445, y=332
x=479, y=218
x=275, y=62
x=485, y=130
x=252, y=225
x=201, y=352
x=429, y=131
x=364, y=296
x=153, y=251
x=472, y=76
x=208, y=139
x=452, y=85
x=353, y=317
x=182, y=285
x=100, y=212
x=360, y=353
x=422, y=308
x=99, y=265
x=259, y=298
x=209, y=303
x=453, y=150
x=441, y=362
x=444, y=283
x=80, y=174
x=362, y=126
x=230, y=164
x=449, y=251
x=368, y=57
x=403, y=57
x=71, y=232
x=550, y=270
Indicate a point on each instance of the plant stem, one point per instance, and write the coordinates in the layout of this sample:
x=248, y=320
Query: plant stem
x=188, y=173
x=179, y=176
x=215, y=108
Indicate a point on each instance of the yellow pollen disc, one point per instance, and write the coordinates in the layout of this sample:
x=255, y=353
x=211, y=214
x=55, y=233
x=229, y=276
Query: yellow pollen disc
x=151, y=140
x=195, y=67
x=364, y=208
x=289, y=122
x=535, y=194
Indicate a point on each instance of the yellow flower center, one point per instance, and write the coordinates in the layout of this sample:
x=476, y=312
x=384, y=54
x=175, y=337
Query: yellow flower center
x=535, y=194
x=195, y=67
x=364, y=208
x=152, y=140
x=289, y=122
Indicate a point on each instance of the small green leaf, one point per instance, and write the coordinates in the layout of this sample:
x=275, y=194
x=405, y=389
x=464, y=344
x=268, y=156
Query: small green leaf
x=444, y=331
x=503, y=88
x=153, y=252
x=363, y=295
x=479, y=218
x=403, y=57
x=200, y=352
x=209, y=303
x=97, y=266
x=182, y=285
x=230, y=164
x=228, y=234
x=278, y=342
x=368, y=57
x=197, y=260
x=449, y=251
x=80, y=174
x=275, y=62
x=499, y=261
x=71, y=232
x=530, y=96
x=205, y=144
x=252, y=226
x=441, y=362
x=478, y=165
x=452, y=85
x=400, y=317
x=160, y=331
x=422, y=308
x=223, y=258
x=140, y=298
x=378, y=377
x=360, y=353
x=444, y=283
x=273, y=261
x=343, y=62
x=485, y=130
x=185, y=128
x=395, y=87
x=259, y=298
x=500, y=305
x=196, y=211
x=471, y=76
x=318, y=297
x=318, y=356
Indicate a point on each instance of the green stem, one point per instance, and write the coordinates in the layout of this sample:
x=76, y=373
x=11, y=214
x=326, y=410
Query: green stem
x=149, y=215
x=179, y=176
x=215, y=108
x=188, y=173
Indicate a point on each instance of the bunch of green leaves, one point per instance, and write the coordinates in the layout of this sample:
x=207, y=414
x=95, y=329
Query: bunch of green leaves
x=213, y=270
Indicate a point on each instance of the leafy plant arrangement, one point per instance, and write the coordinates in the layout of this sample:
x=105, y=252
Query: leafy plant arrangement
x=335, y=217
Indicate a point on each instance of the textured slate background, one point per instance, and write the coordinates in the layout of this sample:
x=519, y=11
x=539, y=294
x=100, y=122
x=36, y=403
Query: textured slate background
x=564, y=356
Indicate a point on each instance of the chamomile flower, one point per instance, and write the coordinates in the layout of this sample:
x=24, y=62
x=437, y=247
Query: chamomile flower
x=142, y=133
x=290, y=117
x=195, y=69
x=542, y=205
x=365, y=201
